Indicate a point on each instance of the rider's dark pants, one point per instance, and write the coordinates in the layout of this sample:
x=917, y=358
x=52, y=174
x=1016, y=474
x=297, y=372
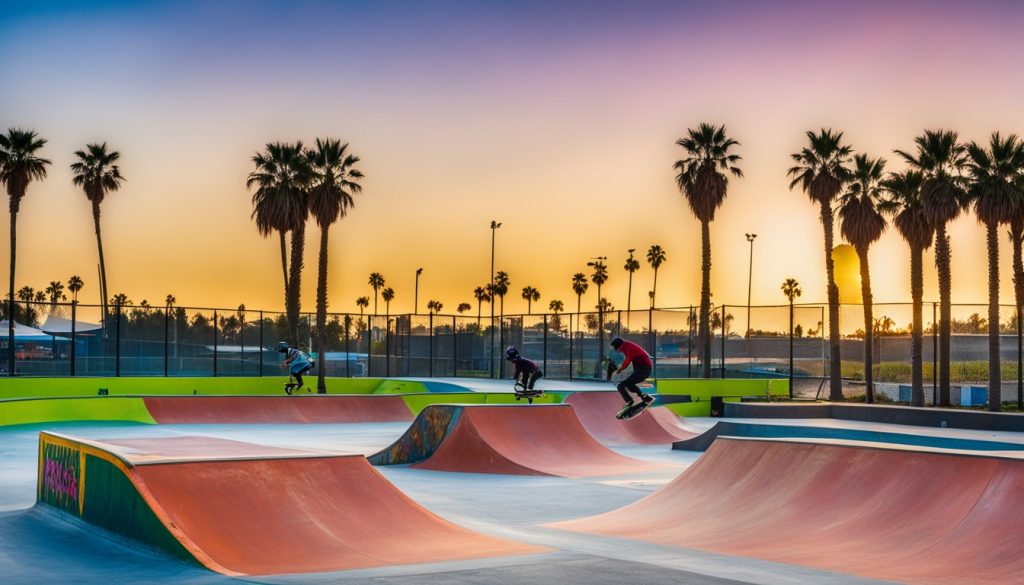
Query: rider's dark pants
x=298, y=375
x=640, y=373
x=528, y=380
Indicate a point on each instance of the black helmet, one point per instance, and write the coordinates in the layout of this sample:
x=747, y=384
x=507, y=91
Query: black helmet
x=616, y=342
x=282, y=347
x=511, y=353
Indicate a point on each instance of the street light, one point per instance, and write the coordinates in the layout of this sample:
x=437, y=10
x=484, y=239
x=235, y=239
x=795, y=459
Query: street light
x=416, y=297
x=494, y=228
x=750, y=277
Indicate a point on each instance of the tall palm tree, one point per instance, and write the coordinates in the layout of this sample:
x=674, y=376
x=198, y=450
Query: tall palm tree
x=481, y=296
x=501, y=285
x=376, y=283
x=434, y=307
x=388, y=295
x=820, y=170
x=632, y=265
x=19, y=166
x=556, y=306
x=463, y=307
x=703, y=182
x=906, y=205
x=791, y=288
x=282, y=175
x=862, y=224
x=599, y=277
x=55, y=292
x=941, y=158
x=25, y=294
x=993, y=172
x=334, y=180
x=362, y=303
x=530, y=294
x=97, y=173
x=579, y=286
x=655, y=257
x=1017, y=241
x=75, y=284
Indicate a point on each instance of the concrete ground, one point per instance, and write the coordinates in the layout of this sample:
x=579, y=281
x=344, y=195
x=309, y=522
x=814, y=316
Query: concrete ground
x=39, y=546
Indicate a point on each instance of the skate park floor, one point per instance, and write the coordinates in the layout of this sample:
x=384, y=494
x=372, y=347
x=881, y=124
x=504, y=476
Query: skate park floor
x=41, y=546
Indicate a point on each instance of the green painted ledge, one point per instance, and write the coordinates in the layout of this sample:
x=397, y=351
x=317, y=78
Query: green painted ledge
x=417, y=402
x=160, y=386
x=730, y=389
x=96, y=408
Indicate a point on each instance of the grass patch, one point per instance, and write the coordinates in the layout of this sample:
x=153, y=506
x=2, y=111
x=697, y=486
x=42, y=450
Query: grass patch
x=899, y=372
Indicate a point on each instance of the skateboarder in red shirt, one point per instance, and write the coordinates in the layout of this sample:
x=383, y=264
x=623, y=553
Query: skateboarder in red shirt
x=642, y=365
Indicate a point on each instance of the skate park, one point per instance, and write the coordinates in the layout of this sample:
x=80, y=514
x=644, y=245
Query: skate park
x=390, y=484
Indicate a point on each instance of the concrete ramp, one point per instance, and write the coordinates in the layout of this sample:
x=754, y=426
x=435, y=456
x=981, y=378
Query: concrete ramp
x=242, y=509
x=277, y=409
x=543, y=439
x=654, y=426
x=879, y=512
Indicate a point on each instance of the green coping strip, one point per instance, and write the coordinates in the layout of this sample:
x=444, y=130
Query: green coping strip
x=105, y=408
x=112, y=502
x=417, y=402
x=160, y=386
x=400, y=387
x=702, y=408
x=730, y=389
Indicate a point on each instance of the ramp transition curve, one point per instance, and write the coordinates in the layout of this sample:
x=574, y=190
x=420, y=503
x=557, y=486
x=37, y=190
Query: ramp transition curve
x=654, y=426
x=243, y=509
x=543, y=439
x=885, y=513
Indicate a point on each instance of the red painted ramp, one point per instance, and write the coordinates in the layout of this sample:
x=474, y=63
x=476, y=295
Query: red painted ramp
x=265, y=511
x=543, y=439
x=897, y=514
x=654, y=426
x=277, y=409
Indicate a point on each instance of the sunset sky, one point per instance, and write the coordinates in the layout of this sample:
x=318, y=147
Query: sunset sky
x=558, y=119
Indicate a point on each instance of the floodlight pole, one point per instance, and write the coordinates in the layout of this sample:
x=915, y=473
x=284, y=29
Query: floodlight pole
x=494, y=228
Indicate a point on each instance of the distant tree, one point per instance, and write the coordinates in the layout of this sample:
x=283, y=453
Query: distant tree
x=655, y=257
x=388, y=295
x=97, y=173
x=556, y=306
x=530, y=294
x=463, y=307
x=376, y=283
x=75, y=284
x=55, y=292
x=481, y=296
x=791, y=288
x=599, y=277
x=362, y=303
x=632, y=265
x=434, y=307
x=120, y=300
x=579, y=286
x=501, y=286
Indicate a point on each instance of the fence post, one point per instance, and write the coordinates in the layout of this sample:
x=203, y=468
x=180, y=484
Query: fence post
x=387, y=348
x=570, y=346
x=723, y=340
x=430, y=342
x=347, y=321
x=545, y=342
x=653, y=342
x=117, y=341
x=791, y=350
x=10, y=337
x=935, y=357
x=369, y=343
x=167, y=326
x=689, y=343
x=455, y=348
x=215, y=343
x=74, y=305
x=261, y=343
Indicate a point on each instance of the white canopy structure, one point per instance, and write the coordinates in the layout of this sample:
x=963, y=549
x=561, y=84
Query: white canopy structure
x=23, y=332
x=56, y=325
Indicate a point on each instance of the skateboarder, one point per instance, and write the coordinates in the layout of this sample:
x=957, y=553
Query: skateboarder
x=642, y=364
x=298, y=363
x=526, y=373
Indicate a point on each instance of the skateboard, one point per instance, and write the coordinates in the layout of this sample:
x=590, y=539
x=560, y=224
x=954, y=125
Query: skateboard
x=521, y=392
x=632, y=410
x=291, y=385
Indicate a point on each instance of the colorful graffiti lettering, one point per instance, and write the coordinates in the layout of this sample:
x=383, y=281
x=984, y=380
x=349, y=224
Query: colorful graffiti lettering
x=422, y=438
x=60, y=477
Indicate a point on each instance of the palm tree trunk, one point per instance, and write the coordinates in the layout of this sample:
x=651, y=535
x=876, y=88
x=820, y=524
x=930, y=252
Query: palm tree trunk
x=10, y=298
x=600, y=326
x=835, y=371
x=479, y=308
x=942, y=259
x=869, y=345
x=321, y=313
x=917, y=333
x=284, y=265
x=705, y=298
x=103, y=265
x=629, y=296
x=654, y=289
x=995, y=401
x=295, y=282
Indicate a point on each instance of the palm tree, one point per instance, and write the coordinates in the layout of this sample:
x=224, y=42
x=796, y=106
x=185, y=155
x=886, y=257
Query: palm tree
x=941, y=159
x=97, y=173
x=376, y=283
x=1017, y=240
x=75, y=284
x=530, y=294
x=599, y=277
x=993, y=173
x=556, y=306
x=655, y=257
x=862, y=224
x=334, y=180
x=362, y=303
x=791, y=288
x=120, y=300
x=632, y=265
x=25, y=294
x=702, y=180
x=19, y=166
x=282, y=176
x=579, y=286
x=501, y=285
x=906, y=205
x=481, y=296
x=434, y=307
x=55, y=292
x=388, y=295
x=40, y=296
x=820, y=171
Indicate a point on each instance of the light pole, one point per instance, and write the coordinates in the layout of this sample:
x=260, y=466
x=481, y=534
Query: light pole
x=494, y=228
x=416, y=297
x=750, y=278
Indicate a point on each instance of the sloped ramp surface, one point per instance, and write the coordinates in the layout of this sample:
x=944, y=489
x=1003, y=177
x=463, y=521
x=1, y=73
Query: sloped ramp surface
x=250, y=510
x=277, y=409
x=654, y=426
x=887, y=513
x=506, y=439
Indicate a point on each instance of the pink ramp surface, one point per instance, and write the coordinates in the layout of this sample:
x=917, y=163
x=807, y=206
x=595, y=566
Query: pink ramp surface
x=277, y=409
x=654, y=426
x=543, y=439
x=898, y=514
